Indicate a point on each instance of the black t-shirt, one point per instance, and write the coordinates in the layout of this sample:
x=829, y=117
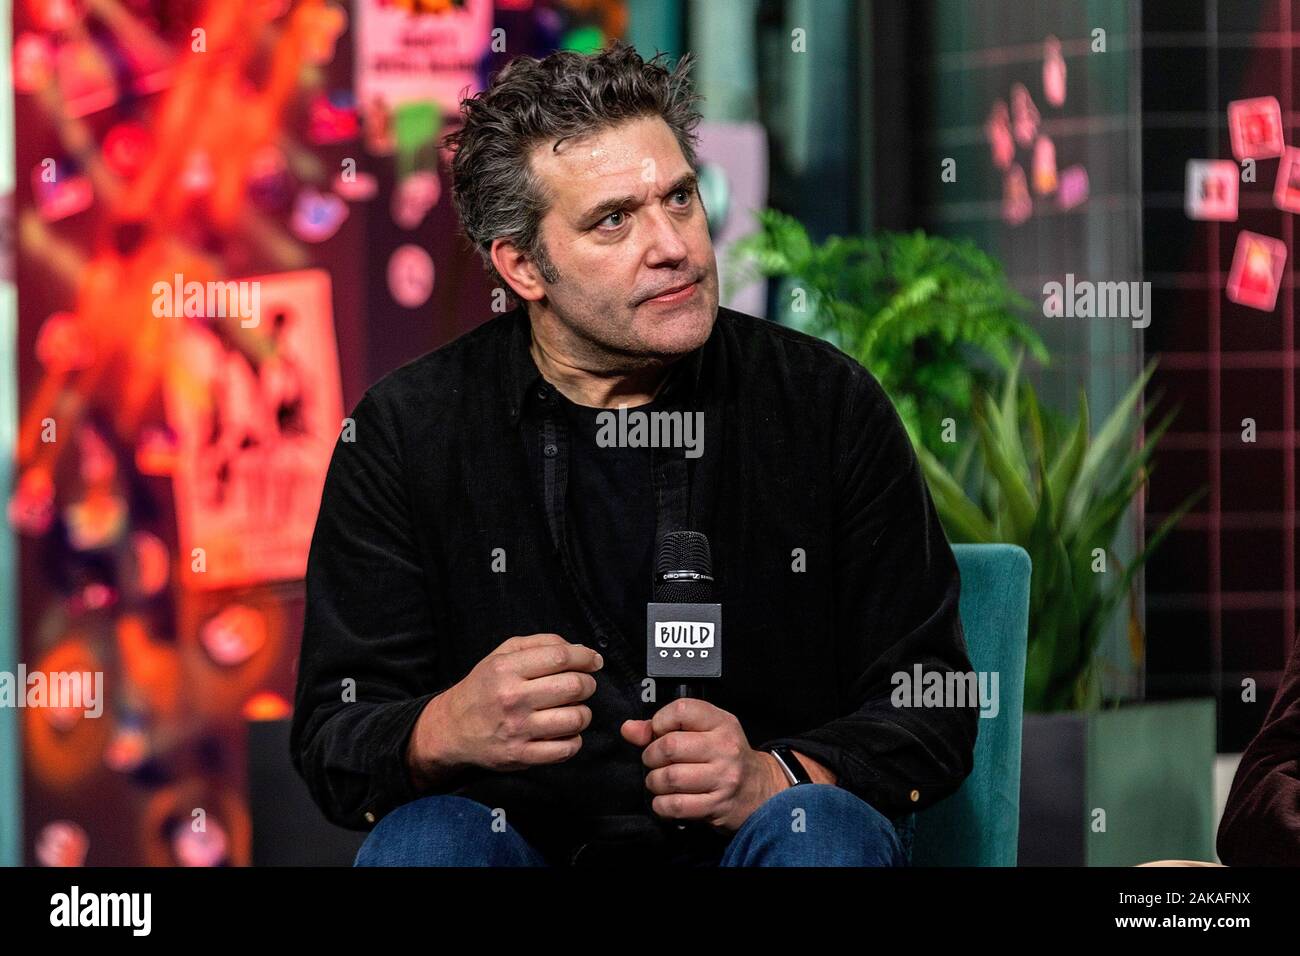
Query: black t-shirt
x=611, y=519
x=612, y=522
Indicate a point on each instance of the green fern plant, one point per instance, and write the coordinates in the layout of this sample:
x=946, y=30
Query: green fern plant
x=932, y=318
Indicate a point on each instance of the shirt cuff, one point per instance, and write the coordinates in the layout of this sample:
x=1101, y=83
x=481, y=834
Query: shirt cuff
x=390, y=782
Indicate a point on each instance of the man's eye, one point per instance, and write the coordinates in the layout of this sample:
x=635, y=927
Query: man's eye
x=685, y=195
x=610, y=219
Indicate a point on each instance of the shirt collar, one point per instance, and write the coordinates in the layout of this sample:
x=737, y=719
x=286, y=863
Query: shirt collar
x=523, y=380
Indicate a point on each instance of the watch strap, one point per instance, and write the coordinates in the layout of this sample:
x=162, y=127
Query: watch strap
x=795, y=771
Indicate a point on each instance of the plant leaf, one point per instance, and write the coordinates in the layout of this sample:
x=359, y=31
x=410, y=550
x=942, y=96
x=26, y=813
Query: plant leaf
x=1020, y=506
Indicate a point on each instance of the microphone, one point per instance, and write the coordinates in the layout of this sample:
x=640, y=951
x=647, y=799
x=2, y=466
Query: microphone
x=683, y=625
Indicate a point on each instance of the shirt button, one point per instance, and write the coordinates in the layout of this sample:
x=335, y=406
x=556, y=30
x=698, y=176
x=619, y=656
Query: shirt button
x=602, y=643
x=370, y=817
x=541, y=392
x=915, y=795
x=550, y=451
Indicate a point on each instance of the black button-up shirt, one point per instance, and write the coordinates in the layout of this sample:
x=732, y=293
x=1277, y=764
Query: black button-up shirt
x=442, y=533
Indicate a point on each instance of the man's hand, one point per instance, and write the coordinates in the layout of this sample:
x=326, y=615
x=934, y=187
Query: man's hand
x=518, y=707
x=703, y=766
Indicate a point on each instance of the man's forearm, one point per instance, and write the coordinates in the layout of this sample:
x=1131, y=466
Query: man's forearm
x=427, y=758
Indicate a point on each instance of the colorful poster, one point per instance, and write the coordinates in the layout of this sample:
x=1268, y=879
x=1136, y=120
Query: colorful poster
x=404, y=56
x=256, y=407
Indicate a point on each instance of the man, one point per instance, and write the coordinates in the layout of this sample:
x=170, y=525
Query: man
x=472, y=676
x=1261, y=820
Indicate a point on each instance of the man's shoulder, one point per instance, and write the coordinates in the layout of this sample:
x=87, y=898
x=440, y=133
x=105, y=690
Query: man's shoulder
x=449, y=368
x=764, y=347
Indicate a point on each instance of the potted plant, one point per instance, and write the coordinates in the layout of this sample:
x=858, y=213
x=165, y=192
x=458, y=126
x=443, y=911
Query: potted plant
x=938, y=324
x=1061, y=496
x=1088, y=772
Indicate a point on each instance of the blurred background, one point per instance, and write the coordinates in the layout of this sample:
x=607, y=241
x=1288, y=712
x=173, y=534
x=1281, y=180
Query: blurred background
x=905, y=179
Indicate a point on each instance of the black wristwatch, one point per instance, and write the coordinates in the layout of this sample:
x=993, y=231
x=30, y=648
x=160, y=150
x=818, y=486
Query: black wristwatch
x=794, y=770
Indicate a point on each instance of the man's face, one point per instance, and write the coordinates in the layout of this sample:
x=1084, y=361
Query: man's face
x=624, y=227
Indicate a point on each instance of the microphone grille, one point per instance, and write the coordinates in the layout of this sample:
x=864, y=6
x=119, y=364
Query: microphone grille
x=684, y=570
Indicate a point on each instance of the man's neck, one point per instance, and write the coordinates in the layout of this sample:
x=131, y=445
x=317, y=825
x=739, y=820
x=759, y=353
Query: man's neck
x=595, y=387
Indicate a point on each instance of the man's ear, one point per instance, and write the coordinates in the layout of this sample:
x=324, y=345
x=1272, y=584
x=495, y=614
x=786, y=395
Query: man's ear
x=518, y=270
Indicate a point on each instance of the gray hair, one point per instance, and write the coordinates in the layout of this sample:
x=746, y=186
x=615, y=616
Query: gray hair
x=531, y=101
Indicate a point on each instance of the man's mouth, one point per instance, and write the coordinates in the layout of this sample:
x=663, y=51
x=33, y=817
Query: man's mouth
x=677, y=293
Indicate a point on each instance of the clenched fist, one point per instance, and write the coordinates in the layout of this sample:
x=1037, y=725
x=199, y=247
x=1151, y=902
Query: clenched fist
x=520, y=706
x=702, y=765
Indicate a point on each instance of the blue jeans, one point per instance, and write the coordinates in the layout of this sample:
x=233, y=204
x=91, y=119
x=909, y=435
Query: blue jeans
x=813, y=824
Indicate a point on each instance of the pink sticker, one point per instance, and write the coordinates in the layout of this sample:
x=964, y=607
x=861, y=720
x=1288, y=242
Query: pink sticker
x=1016, y=204
x=59, y=192
x=55, y=15
x=234, y=635
x=197, y=176
x=1073, y=188
x=128, y=146
x=1286, y=190
x=997, y=129
x=97, y=460
x=1053, y=72
x=1024, y=115
x=62, y=345
x=1211, y=189
x=316, y=216
x=1255, y=127
x=1044, y=166
x=92, y=597
x=86, y=79
x=127, y=750
x=155, y=452
x=62, y=843
x=332, y=119
x=414, y=196
x=33, y=62
x=95, y=522
x=355, y=186
x=1256, y=273
x=152, y=562
x=31, y=508
x=206, y=847
x=410, y=276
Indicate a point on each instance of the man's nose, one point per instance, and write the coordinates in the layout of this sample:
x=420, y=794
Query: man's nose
x=666, y=242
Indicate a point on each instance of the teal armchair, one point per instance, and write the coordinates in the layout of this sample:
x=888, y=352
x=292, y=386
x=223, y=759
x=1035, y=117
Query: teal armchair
x=979, y=825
